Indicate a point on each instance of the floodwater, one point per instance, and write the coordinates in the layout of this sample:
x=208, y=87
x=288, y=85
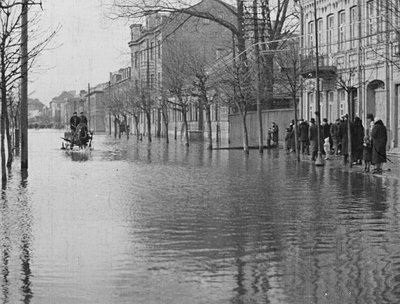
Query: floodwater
x=154, y=223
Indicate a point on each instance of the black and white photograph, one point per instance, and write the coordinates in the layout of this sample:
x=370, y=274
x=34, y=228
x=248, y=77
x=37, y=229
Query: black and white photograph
x=200, y=151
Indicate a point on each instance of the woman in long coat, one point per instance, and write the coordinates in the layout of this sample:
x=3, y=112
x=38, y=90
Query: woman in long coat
x=357, y=140
x=344, y=139
x=379, y=140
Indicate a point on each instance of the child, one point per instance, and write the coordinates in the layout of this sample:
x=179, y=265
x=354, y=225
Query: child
x=367, y=153
x=327, y=148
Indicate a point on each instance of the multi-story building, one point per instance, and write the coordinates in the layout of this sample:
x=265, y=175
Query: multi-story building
x=358, y=50
x=148, y=51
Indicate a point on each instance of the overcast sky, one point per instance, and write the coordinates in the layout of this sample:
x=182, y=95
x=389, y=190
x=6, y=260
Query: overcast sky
x=87, y=47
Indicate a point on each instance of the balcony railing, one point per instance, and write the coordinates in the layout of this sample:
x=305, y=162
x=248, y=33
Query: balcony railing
x=309, y=64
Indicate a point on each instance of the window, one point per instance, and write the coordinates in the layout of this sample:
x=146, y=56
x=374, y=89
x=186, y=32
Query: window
x=353, y=60
x=342, y=29
x=340, y=62
x=136, y=59
x=371, y=13
x=159, y=49
x=311, y=105
x=329, y=32
x=342, y=101
x=320, y=25
x=330, y=103
x=311, y=34
x=353, y=26
x=152, y=51
x=379, y=19
x=152, y=81
x=206, y=21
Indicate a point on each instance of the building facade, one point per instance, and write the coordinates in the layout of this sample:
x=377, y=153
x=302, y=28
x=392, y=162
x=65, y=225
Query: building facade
x=358, y=60
x=149, y=50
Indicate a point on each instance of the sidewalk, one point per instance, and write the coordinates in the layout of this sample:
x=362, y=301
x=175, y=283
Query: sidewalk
x=391, y=168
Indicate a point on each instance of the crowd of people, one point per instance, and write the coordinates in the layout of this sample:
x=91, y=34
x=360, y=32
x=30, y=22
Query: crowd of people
x=368, y=144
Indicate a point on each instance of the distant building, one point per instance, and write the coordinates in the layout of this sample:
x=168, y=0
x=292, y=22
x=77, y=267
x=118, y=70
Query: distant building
x=60, y=109
x=148, y=52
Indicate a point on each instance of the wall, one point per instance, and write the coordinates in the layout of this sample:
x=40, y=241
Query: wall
x=281, y=117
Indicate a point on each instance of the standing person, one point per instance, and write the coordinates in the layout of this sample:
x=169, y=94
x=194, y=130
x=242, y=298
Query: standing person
x=334, y=131
x=379, y=140
x=357, y=140
x=367, y=153
x=74, y=121
x=83, y=118
x=313, y=137
x=370, y=125
x=275, y=136
x=344, y=139
x=303, y=137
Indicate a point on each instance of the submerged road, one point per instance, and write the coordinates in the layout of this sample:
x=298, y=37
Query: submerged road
x=133, y=222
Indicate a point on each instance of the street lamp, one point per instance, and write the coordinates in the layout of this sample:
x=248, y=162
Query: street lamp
x=319, y=161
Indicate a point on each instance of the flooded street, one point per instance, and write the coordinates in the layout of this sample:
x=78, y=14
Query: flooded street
x=154, y=223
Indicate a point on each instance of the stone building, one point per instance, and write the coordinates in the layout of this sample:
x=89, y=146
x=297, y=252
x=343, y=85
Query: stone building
x=358, y=50
x=149, y=50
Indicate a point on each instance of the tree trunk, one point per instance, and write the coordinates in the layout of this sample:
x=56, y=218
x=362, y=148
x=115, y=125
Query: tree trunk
x=165, y=119
x=148, y=120
x=9, y=142
x=243, y=114
x=185, y=123
x=126, y=127
x=158, y=132
x=2, y=119
x=258, y=83
x=209, y=127
x=115, y=127
x=137, y=127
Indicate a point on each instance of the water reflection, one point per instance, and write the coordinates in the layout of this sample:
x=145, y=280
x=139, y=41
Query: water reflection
x=156, y=223
x=16, y=234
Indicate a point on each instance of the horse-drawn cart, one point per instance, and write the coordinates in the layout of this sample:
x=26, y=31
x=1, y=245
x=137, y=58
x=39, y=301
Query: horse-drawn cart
x=81, y=138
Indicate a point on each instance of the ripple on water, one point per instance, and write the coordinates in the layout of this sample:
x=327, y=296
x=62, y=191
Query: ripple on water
x=157, y=223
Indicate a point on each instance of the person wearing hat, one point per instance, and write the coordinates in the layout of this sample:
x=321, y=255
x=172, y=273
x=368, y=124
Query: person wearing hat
x=74, y=121
x=370, y=125
x=379, y=140
x=313, y=137
x=83, y=119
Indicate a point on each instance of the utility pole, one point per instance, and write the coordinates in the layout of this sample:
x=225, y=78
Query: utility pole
x=89, y=104
x=24, y=85
x=318, y=161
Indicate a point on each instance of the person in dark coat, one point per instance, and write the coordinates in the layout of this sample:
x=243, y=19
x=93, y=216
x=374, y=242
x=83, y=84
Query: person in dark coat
x=379, y=140
x=275, y=132
x=74, y=121
x=357, y=133
x=313, y=137
x=303, y=137
x=344, y=139
x=334, y=131
x=83, y=119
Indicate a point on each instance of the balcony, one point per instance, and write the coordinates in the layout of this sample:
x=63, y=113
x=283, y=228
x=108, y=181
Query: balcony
x=309, y=64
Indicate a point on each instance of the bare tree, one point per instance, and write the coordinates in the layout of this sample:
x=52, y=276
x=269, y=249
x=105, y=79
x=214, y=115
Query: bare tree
x=290, y=78
x=133, y=105
x=10, y=63
x=176, y=81
x=234, y=90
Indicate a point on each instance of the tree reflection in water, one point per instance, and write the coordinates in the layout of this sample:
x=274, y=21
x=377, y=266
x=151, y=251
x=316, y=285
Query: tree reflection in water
x=16, y=235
